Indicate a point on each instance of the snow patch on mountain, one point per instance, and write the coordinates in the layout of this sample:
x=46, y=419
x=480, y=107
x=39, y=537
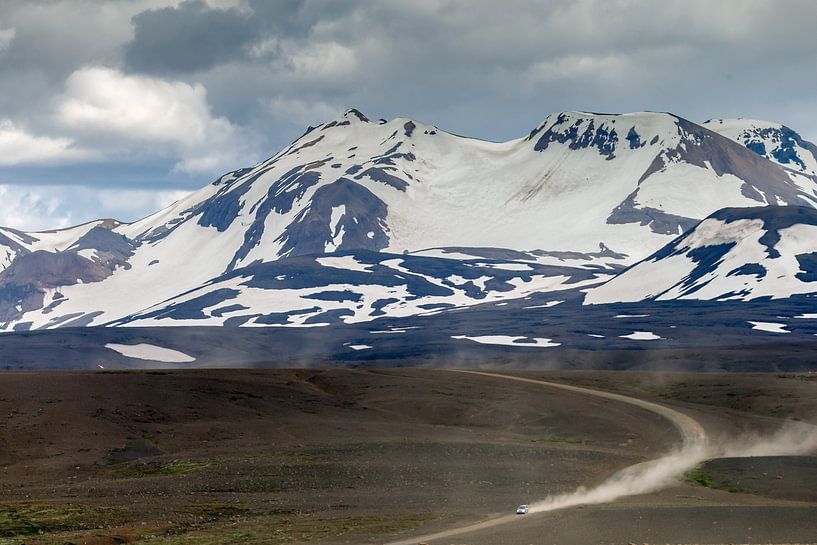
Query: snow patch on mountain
x=641, y=336
x=770, y=327
x=507, y=340
x=144, y=351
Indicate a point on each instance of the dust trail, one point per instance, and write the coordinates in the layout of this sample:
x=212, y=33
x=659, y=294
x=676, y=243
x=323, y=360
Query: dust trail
x=795, y=438
x=640, y=478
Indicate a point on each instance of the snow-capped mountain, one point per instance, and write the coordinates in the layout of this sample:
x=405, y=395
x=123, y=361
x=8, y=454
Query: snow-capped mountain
x=593, y=192
x=734, y=254
x=15, y=243
x=773, y=141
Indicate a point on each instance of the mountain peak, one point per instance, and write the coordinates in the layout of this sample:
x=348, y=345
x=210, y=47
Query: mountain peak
x=774, y=141
x=353, y=114
x=651, y=122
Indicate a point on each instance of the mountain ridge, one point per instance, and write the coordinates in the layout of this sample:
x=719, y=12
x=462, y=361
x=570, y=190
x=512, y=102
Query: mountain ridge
x=587, y=193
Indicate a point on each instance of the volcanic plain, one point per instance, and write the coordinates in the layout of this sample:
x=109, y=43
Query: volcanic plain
x=374, y=456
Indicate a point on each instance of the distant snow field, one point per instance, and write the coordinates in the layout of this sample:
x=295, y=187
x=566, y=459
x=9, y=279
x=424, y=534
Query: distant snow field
x=507, y=340
x=144, y=351
x=642, y=336
x=546, y=305
x=770, y=327
x=344, y=262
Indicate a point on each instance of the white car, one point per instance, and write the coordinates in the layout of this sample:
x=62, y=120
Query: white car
x=522, y=510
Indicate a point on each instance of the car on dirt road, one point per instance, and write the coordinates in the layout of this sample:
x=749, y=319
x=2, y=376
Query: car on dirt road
x=522, y=510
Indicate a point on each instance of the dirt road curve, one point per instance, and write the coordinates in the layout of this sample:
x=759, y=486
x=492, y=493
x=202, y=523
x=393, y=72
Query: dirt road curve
x=692, y=433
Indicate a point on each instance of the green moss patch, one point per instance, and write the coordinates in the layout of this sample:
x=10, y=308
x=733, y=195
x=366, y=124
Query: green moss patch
x=291, y=529
x=697, y=476
x=33, y=518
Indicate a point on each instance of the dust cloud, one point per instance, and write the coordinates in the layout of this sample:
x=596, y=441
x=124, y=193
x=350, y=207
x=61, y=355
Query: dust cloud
x=793, y=439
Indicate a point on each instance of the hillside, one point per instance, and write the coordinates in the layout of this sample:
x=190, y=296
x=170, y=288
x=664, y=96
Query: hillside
x=734, y=254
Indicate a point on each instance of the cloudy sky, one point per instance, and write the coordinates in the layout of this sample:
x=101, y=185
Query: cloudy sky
x=114, y=108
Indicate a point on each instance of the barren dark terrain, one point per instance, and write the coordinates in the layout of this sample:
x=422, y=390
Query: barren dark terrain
x=371, y=456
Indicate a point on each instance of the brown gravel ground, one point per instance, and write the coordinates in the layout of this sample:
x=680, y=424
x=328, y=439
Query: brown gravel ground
x=335, y=457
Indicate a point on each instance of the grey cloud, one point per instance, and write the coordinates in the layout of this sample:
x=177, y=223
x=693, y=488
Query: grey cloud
x=477, y=67
x=195, y=37
x=189, y=38
x=292, y=18
x=495, y=69
x=57, y=36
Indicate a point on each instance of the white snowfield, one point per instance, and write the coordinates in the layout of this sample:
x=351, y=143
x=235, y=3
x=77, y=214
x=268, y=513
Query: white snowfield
x=144, y=351
x=642, y=336
x=506, y=340
x=549, y=304
x=582, y=190
x=347, y=262
x=770, y=327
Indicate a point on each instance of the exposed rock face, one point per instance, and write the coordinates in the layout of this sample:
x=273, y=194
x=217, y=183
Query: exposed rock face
x=343, y=215
x=580, y=133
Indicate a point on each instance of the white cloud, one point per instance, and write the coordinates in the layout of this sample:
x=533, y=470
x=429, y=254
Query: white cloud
x=215, y=161
x=302, y=112
x=6, y=37
x=323, y=61
x=36, y=208
x=18, y=146
x=31, y=208
x=103, y=100
x=129, y=112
